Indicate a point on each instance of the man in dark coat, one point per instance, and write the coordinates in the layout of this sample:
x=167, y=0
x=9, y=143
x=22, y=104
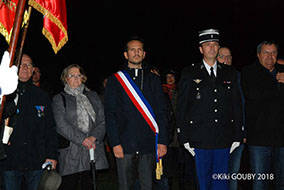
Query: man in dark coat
x=263, y=88
x=34, y=140
x=132, y=139
x=209, y=113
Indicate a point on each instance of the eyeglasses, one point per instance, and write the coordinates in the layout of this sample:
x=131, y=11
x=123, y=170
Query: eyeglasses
x=225, y=56
x=75, y=76
x=29, y=65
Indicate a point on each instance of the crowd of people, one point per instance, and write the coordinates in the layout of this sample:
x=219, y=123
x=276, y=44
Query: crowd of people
x=155, y=131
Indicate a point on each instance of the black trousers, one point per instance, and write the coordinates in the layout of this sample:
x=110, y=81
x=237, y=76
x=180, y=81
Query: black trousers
x=81, y=180
x=136, y=166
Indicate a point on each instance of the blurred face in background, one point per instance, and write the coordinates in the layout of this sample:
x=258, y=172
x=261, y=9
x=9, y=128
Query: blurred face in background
x=170, y=79
x=224, y=56
x=36, y=75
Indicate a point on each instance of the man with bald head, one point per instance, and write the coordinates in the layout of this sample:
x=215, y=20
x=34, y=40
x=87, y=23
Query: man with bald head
x=33, y=141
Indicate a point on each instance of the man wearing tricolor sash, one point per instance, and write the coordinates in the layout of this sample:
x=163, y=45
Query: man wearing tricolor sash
x=136, y=119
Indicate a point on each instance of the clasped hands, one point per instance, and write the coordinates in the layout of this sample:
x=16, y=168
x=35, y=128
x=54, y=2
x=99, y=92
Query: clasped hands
x=89, y=142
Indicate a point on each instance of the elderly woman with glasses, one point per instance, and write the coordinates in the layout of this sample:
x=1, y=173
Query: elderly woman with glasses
x=79, y=117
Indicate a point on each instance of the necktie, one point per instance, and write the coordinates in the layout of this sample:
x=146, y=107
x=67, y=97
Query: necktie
x=212, y=76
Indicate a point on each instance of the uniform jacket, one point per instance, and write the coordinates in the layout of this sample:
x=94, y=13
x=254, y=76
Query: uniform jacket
x=34, y=136
x=264, y=100
x=75, y=158
x=209, y=116
x=125, y=125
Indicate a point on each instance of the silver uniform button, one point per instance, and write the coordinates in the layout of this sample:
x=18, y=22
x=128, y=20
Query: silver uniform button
x=191, y=122
x=215, y=100
x=216, y=120
x=216, y=110
x=215, y=90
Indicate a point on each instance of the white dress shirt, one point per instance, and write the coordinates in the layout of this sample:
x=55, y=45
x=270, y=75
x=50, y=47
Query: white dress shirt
x=208, y=68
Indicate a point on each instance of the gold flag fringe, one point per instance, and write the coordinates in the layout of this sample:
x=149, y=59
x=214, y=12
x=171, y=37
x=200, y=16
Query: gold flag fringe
x=46, y=13
x=5, y=33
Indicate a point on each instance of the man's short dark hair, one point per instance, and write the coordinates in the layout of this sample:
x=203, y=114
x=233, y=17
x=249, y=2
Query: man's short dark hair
x=259, y=47
x=133, y=38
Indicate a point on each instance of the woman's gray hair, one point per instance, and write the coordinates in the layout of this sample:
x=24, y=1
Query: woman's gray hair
x=65, y=71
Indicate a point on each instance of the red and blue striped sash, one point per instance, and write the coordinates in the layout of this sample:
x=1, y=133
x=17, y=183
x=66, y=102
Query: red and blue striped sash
x=138, y=99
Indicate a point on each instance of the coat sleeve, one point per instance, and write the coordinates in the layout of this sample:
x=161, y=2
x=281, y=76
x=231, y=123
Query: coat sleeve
x=50, y=133
x=161, y=112
x=181, y=109
x=98, y=131
x=237, y=109
x=63, y=126
x=111, y=108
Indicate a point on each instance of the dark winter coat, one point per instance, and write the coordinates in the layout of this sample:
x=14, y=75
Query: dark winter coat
x=264, y=100
x=34, y=136
x=124, y=123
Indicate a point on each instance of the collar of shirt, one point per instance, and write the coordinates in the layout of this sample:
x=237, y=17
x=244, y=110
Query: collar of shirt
x=208, y=67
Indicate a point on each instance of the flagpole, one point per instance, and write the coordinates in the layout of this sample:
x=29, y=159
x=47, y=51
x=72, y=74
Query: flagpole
x=14, y=40
x=23, y=39
x=16, y=29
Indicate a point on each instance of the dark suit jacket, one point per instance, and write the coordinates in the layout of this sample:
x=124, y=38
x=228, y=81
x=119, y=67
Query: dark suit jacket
x=209, y=116
x=124, y=123
x=264, y=100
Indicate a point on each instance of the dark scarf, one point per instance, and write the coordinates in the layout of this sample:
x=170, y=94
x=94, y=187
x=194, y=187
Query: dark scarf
x=169, y=89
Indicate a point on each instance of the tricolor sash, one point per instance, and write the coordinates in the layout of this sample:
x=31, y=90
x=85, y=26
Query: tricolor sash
x=144, y=108
x=138, y=99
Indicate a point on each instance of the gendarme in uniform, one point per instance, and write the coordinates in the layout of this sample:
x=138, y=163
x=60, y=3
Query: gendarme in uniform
x=209, y=111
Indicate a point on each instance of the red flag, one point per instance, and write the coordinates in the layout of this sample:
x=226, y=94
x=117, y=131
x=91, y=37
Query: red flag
x=7, y=16
x=54, y=21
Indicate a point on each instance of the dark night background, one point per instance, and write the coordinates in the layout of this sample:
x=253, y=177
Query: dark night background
x=97, y=30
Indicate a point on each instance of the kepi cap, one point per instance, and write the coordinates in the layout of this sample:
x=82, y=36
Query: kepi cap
x=208, y=35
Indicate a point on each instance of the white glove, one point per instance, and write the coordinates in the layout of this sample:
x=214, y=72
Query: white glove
x=187, y=147
x=8, y=76
x=234, y=146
